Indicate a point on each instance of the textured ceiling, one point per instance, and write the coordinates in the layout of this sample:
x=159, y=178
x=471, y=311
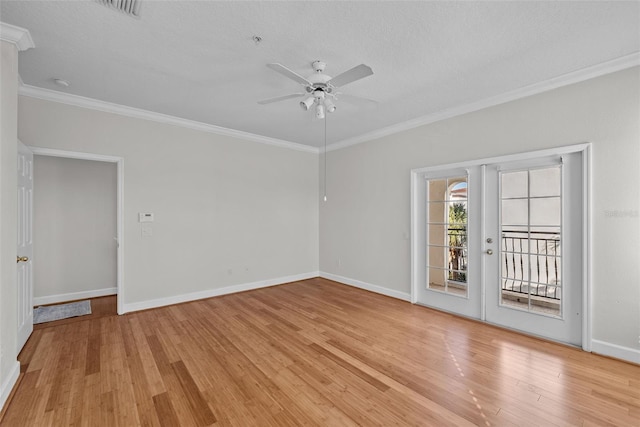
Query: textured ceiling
x=197, y=60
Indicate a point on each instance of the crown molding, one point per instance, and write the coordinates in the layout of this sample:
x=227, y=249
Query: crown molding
x=587, y=73
x=16, y=35
x=108, y=107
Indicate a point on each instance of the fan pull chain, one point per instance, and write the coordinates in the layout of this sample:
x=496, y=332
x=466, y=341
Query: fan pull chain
x=325, y=158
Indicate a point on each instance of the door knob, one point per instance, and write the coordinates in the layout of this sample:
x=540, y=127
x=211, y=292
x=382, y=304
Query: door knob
x=489, y=252
x=22, y=258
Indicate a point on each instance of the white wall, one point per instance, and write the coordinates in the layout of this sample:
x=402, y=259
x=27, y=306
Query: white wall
x=366, y=221
x=9, y=367
x=74, y=227
x=227, y=211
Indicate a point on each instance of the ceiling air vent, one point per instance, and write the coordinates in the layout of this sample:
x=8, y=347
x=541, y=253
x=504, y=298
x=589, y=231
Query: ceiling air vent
x=129, y=7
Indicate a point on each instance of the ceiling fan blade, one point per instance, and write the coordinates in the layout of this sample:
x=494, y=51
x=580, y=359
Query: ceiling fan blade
x=280, y=98
x=288, y=73
x=356, y=73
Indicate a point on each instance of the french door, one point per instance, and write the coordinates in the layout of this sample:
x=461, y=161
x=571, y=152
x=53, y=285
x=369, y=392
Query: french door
x=449, y=211
x=502, y=241
x=533, y=219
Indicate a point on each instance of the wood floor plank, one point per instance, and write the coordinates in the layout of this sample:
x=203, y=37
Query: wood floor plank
x=200, y=409
x=151, y=372
x=143, y=393
x=312, y=353
x=166, y=414
x=92, y=365
x=347, y=366
x=171, y=381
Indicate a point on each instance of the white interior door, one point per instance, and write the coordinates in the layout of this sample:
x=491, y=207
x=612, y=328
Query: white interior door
x=533, y=246
x=25, y=244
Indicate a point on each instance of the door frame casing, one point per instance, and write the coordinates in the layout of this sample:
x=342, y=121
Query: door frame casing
x=417, y=239
x=119, y=161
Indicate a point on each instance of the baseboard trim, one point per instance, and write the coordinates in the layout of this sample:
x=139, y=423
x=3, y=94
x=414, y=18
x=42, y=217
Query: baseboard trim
x=53, y=299
x=177, y=299
x=367, y=286
x=8, y=384
x=617, y=351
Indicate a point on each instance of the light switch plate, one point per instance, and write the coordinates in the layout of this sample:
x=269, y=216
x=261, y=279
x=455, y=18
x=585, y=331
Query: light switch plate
x=145, y=217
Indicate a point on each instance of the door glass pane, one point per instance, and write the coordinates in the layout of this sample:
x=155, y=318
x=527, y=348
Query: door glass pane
x=515, y=269
x=545, y=211
x=437, y=212
x=437, y=190
x=549, y=305
x=515, y=212
x=545, y=182
x=530, y=248
x=437, y=256
x=457, y=188
x=545, y=268
x=552, y=231
x=512, y=238
x=447, y=235
x=437, y=234
x=514, y=184
x=437, y=279
x=457, y=214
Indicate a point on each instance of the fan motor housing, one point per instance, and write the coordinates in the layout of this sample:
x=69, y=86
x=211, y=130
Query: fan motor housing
x=320, y=87
x=319, y=79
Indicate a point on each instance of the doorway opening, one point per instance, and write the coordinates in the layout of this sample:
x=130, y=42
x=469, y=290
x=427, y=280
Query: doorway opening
x=116, y=240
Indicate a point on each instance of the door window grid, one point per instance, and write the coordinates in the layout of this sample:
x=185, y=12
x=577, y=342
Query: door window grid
x=447, y=255
x=530, y=254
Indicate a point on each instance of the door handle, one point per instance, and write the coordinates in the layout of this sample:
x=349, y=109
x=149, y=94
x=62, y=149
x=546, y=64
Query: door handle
x=22, y=258
x=489, y=251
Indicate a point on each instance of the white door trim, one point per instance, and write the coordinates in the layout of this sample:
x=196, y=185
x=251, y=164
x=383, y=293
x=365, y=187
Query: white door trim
x=585, y=149
x=119, y=161
x=587, y=271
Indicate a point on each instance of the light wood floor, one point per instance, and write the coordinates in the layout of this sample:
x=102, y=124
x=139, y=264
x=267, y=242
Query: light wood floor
x=311, y=353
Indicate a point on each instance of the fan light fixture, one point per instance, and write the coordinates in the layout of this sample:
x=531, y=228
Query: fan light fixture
x=307, y=103
x=322, y=102
x=331, y=107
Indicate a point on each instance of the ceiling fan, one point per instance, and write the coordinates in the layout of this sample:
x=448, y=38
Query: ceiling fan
x=320, y=89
